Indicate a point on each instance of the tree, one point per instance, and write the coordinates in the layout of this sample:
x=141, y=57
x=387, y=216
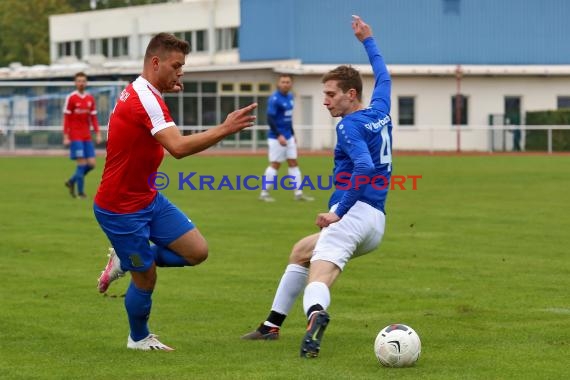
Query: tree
x=24, y=25
x=24, y=29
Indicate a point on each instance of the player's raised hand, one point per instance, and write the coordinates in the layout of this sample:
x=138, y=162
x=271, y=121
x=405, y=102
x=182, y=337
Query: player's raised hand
x=361, y=29
x=240, y=119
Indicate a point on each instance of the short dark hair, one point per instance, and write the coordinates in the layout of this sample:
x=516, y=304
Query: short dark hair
x=285, y=75
x=164, y=43
x=80, y=74
x=347, y=77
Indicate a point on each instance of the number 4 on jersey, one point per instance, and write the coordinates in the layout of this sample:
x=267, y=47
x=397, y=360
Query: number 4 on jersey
x=385, y=149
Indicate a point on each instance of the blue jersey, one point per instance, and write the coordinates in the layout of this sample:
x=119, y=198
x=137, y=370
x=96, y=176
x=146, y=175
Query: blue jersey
x=280, y=112
x=363, y=153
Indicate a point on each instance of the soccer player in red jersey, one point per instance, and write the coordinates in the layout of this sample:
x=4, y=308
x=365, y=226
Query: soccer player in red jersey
x=79, y=115
x=127, y=206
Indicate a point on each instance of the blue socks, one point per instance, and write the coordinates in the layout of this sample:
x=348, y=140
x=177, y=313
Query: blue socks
x=164, y=257
x=79, y=175
x=138, y=303
x=87, y=169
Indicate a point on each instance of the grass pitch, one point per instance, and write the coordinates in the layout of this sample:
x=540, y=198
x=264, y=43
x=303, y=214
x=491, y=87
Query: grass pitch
x=476, y=261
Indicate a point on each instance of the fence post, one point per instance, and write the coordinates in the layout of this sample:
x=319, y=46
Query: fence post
x=431, y=139
x=549, y=140
x=11, y=138
x=254, y=130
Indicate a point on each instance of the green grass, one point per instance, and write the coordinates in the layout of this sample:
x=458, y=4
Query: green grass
x=476, y=260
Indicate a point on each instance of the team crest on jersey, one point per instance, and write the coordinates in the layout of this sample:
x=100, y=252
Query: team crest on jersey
x=124, y=96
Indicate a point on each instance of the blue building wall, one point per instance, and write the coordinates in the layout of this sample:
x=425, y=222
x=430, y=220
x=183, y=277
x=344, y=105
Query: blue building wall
x=408, y=31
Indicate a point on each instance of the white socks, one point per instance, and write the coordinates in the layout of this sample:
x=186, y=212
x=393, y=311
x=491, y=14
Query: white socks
x=292, y=282
x=269, y=174
x=296, y=173
x=316, y=293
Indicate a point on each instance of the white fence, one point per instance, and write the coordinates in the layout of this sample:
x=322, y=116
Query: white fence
x=546, y=138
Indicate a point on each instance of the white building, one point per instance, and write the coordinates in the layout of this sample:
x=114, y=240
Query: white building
x=111, y=43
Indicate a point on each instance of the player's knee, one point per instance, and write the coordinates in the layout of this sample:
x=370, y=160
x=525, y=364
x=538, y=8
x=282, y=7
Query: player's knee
x=300, y=254
x=145, y=280
x=199, y=254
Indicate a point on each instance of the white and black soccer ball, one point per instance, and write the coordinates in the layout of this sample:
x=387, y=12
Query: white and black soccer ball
x=397, y=345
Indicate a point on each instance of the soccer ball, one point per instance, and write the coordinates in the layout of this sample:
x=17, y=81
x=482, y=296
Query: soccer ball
x=397, y=345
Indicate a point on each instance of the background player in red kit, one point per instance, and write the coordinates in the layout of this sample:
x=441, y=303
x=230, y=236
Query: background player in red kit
x=129, y=210
x=79, y=115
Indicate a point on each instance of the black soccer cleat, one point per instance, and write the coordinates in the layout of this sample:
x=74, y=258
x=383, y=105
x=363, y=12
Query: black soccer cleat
x=263, y=333
x=311, y=343
x=71, y=187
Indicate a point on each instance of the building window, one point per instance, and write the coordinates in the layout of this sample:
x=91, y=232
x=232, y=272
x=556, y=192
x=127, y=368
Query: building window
x=198, y=39
x=227, y=87
x=406, y=108
x=201, y=40
x=64, y=49
x=120, y=46
x=264, y=87
x=99, y=47
x=69, y=49
x=563, y=102
x=205, y=104
x=186, y=36
x=77, y=49
x=226, y=39
x=246, y=87
x=209, y=87
x=463, y=108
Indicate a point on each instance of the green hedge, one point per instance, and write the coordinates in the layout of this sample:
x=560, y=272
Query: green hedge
x=538, y=140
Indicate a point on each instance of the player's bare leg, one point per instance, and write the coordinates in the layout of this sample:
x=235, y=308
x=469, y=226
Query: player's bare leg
x=292, y=283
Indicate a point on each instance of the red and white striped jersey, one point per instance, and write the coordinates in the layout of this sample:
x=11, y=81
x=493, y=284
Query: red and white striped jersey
x=133, y=154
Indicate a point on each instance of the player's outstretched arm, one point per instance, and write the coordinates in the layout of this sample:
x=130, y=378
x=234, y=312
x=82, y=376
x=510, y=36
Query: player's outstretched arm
x=181, y=146
x=383, y=83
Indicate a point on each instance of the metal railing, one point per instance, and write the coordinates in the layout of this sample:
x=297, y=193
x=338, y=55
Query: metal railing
x=430, y=138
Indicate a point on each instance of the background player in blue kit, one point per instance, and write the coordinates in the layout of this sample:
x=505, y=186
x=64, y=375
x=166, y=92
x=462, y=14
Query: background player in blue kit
x=281, y=142
x=355, y=223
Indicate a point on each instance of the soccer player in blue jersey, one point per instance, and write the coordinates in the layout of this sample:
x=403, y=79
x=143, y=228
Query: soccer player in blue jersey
x=355, y=223
x=281, y=141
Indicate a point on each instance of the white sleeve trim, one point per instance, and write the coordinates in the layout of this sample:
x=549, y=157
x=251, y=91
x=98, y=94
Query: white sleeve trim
x=159, y=128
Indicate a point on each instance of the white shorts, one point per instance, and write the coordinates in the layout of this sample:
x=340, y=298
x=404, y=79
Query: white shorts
x=359, y=232
x=279, y=153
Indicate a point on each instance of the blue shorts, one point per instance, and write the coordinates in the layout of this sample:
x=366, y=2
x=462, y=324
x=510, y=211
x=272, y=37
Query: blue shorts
x=161, y=222
x=81, y=149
